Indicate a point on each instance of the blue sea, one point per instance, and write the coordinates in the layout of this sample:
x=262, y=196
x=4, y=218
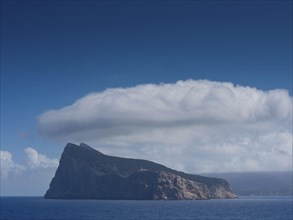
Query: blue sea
x=252, y=208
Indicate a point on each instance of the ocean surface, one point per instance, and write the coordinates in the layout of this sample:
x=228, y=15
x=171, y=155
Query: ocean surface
x=252, y=208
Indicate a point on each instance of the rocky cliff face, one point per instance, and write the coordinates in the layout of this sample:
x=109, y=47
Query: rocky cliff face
x=85, y=173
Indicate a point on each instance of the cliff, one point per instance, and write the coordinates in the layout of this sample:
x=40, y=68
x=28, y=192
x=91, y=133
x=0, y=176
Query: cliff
x=85, y=173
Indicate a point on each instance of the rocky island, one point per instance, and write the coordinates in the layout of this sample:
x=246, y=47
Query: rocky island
x=85, y=173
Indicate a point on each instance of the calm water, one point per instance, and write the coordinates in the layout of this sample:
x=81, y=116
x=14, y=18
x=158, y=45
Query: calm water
x=252, y=208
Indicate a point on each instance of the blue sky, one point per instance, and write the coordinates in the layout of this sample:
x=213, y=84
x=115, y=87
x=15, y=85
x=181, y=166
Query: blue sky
x=54, y=53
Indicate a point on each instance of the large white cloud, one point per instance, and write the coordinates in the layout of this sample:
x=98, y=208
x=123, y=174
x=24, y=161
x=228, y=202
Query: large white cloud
x=193, y=125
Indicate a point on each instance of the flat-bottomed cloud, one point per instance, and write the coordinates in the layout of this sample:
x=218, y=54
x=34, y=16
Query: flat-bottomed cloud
x=192, y=125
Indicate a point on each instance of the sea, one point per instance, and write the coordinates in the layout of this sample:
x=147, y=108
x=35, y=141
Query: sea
x=252, y=208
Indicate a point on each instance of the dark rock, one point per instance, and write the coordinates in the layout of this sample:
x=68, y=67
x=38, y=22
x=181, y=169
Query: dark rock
x=85, y=173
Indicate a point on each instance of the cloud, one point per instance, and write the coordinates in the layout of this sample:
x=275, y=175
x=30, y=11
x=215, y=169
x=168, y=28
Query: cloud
x=192, y=125
x=36, y=160
x=8, y=166
x=37, y=172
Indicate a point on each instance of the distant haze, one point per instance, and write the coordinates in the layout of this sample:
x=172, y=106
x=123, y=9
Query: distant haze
x=259, y=183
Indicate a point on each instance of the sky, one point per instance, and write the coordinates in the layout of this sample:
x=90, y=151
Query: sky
x=200, y=86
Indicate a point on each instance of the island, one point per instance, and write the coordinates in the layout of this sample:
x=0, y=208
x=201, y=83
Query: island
x=85, y=173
